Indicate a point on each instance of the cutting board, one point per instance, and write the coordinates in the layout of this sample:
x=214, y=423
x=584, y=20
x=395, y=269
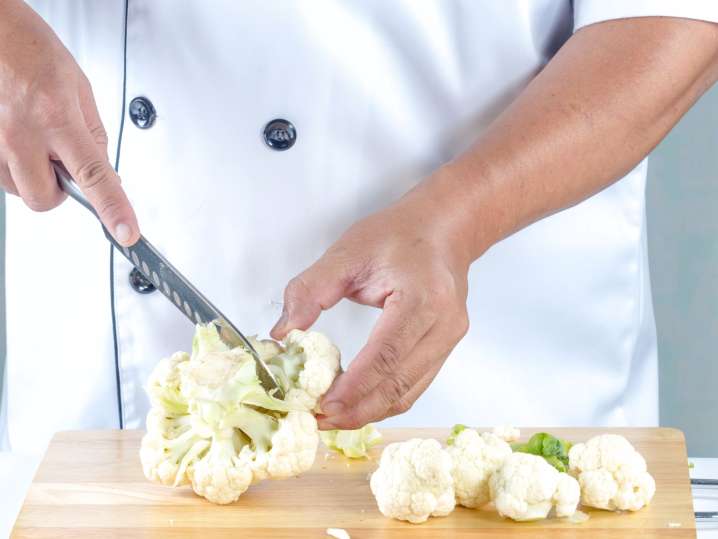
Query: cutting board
x=90, y=485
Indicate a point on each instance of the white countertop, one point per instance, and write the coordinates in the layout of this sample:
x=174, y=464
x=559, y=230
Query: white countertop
x=705, y=499
x=16, y=472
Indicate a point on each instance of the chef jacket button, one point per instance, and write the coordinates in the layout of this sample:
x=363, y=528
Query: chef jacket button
x=140, y=283
x=280, y=134
x=142, y=112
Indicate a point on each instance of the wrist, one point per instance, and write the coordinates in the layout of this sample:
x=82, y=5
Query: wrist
x=450, y=205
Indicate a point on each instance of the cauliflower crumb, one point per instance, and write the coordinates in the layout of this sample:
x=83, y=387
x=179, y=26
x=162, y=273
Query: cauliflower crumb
x=338, y=533
x=579, y=517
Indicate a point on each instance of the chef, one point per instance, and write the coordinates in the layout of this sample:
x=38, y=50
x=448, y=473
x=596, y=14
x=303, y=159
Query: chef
x=407, y=168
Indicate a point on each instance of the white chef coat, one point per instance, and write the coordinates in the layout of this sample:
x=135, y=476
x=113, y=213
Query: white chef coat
x=381, y=94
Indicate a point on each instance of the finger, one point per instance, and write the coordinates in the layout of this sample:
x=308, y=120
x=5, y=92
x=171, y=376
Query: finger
x=9, y=188
x=457, y=327
x=327, y=423
x=92, y=115
x=34, y=179
x=6, y=183
x=317, y=288
x=88, y=164
x=416, y=390
x=395, y=391
x=405, y=319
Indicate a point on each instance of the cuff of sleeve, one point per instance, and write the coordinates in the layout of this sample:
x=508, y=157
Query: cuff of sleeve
x=592, y=11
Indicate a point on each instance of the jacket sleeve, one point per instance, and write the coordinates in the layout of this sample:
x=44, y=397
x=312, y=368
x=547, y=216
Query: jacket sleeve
x=592, y=11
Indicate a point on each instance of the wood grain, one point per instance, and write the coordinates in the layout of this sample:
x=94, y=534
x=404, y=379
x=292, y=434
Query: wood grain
x=90, y=484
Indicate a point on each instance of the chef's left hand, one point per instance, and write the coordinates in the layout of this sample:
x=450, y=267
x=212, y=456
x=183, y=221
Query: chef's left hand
x=410, y=261
x=587, y=119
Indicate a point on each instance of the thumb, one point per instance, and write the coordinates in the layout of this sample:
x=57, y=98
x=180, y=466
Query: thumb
x=316, y=289
x=87, y=162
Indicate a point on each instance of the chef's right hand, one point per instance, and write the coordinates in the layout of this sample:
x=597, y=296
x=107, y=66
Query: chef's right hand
x=47, y=111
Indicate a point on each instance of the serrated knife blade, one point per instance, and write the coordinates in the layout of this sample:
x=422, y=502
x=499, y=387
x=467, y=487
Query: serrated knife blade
x=174, y=286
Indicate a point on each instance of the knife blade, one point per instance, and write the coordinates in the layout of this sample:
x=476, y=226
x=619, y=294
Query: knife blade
x=174, y=286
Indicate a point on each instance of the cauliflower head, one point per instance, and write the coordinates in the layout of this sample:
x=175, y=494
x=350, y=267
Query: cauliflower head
x=611, y=473
x=475, y=457
x=413, y=481
x=214, y=426
x=526, y=487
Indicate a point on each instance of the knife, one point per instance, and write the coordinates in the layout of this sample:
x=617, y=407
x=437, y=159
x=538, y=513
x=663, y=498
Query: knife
x=174, y=286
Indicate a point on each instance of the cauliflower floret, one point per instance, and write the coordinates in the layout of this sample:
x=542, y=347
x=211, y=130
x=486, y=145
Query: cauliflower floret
x=611, y=473
x=163, y=385
x=507, y=433
x=304, y=368
x=220, y=476
x=567, y=495
x=165, y=460
x=526, y=487
x=294, y=447
x=321, y=361
x=413, y=481
x=475, y=457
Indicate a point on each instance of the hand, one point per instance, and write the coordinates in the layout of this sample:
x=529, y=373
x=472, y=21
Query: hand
x=47, y=111
x=409, y=261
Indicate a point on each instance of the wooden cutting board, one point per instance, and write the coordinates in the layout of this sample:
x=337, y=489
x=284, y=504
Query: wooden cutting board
x=90, y=485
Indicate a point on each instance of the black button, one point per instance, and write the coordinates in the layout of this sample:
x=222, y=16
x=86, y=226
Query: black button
x=140, y=283
x=142, y=112
x=280, y=134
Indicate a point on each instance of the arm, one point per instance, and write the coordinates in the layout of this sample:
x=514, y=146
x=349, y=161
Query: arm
x=603, y=102
x=599, y=107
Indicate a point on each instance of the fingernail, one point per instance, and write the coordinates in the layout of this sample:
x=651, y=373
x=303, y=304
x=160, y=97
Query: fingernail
x=333, y=408
x=123, y=233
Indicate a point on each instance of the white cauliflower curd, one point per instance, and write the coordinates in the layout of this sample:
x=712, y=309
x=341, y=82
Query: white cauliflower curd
x=611, y=473
x=526, y=487
x=413, y=481
x=475, y=457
